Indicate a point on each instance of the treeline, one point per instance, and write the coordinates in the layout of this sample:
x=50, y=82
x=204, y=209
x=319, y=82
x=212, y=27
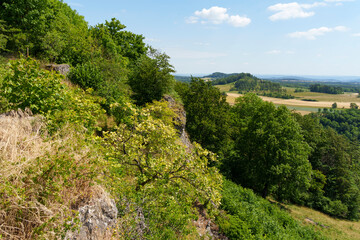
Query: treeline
x=326, y=89
x=219, y=75
x=274, y=151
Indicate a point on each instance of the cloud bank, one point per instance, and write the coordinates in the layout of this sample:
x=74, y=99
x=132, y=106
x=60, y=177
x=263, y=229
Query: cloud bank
x=293, y=10
x=218, y=15
x=313, y=33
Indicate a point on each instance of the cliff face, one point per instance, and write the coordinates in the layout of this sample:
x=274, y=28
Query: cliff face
x=180, y=121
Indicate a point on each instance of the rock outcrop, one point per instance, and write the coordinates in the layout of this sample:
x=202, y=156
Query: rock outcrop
x=60, y=68
x=97, y=219
x=179, y=121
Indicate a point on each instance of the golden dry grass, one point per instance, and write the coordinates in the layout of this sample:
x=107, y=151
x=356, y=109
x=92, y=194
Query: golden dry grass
x=332, y=228
x=35, y=192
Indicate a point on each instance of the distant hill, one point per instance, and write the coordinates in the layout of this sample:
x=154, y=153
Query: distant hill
x=230, y=78
x=217, y=75
x=311, y=78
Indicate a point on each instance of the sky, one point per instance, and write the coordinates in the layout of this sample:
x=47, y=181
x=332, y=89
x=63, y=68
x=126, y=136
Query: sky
x=256, y=36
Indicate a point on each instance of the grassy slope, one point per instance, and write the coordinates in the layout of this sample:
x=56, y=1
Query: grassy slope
x=332, y=228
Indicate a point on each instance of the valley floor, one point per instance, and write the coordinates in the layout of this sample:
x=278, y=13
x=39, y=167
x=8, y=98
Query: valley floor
x=297, y=104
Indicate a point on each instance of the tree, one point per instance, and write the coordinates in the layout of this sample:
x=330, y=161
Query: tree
x=334, y=105
x=270, y=154
x=115, y=41
x=159, y=176
x=151, y=77
x=207, y=114
x=354, y=106
x=31, y=17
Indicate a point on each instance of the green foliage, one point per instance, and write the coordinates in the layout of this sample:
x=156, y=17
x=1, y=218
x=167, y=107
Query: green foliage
x=326, y=89
x=251, y=217
x=223, y=78
x=115, y=42
x=207, y=114
x=161, y=178
x=151, y=77
x=86, y=75
x=28, y=86
x=270, y=154
x=354, y=106
x=80, y=109
x=335, y=189
x=31, y=17
x=345, y=122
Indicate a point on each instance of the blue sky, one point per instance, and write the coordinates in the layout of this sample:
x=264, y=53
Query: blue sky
x=261, y=37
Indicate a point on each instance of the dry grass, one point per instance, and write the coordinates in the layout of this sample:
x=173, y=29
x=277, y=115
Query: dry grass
x=41, y=182
x=332, y=228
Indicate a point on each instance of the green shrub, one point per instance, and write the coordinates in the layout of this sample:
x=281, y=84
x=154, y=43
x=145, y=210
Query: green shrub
x=26, y=85
x=86, y=75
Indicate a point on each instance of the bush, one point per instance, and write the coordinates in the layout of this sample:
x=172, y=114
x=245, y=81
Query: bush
x=42, y=91
x=26, y=85
x=86, y=75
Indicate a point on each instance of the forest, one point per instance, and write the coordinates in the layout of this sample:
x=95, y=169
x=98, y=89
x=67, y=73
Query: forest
x=326, y=89
x=115, y=124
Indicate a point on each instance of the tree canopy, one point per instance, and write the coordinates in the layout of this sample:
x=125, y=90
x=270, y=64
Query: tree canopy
x=270, y=154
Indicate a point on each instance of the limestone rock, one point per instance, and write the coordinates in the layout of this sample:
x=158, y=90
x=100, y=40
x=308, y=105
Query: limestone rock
x=97, y=220
x=60, y=68
x=180, y=121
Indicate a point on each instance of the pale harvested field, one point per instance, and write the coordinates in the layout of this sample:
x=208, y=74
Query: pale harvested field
x=296, y=102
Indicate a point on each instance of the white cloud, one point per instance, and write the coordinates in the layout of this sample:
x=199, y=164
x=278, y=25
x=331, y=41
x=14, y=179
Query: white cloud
x=356, y=34
x=215, y=15
x=238, y=21
x=338, y=2
x=292, y=10
x=218, y=15
x=191, y=19
x=273, y=52
x=313, y=33
x=341, y=29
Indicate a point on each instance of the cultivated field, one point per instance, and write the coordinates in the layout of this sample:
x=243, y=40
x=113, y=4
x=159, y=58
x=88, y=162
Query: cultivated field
x=321, y=100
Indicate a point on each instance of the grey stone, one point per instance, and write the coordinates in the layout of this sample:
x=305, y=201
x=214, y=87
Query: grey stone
x=97, y=220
